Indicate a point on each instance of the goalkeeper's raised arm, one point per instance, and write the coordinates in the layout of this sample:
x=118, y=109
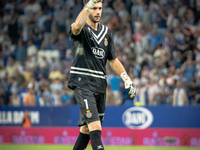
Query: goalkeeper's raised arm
x=80, y=21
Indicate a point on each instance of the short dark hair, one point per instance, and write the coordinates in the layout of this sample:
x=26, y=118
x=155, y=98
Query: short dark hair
x=86, y=1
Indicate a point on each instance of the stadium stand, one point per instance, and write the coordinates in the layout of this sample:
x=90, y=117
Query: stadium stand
x=157, y=41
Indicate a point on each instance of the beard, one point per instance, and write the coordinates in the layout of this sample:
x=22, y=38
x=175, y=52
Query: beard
x=92, y=19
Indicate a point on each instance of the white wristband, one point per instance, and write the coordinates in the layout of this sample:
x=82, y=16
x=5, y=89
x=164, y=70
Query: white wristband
x=125, y=77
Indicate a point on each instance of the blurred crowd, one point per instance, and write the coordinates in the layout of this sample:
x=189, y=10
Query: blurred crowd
x=158, y=42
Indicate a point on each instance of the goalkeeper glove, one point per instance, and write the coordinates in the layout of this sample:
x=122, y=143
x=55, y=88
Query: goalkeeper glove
x=128, y=84
x=90, y=5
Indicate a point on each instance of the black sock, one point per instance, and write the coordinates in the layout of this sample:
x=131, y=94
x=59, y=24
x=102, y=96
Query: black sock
x=82, y=141
x=96, y=142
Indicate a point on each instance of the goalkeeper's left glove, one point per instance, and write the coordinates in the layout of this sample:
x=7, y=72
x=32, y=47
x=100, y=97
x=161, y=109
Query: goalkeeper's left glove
x=128, y=84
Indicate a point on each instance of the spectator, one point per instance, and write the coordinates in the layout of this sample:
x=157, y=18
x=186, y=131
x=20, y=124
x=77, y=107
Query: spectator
x=188, y=44
x=5, y=39
x=181, y=9
x=22, y=90
x=48, y=45
x=179, y=95
x=197, y=59
x=13, y=85
x=19, y=77
x=170, y=79
x=5, y=96
x=153, y=90
x=77, y=9
x=56, y=99
x=27, y=75
x=29, y=98
x=192, y=91
x=13, y=30
x=134, y=69
x=21, y=52
x=42, y=84
x=11, y=67
x=161, y=21
x=33, y=84
x=54, y=63
x=62, y=45
x=40, y=20
x=55, y=74
x=115, y=88
x=32, y=7
x=2, y=72
x=159, y=56
x=46, y=96
x=31, y=50
x=65, y=97
x=21, y=66
x=197, y=96
x=15, y=101
x=6, y=54
x=26, y=121
x=188, y=70
x=6, y=17
x=142, y=97
x=60, y=17
x=155, y=39
x=109, y=96
x=30, y=63
x=146, y=15
x=56, y=85
x=47, y=28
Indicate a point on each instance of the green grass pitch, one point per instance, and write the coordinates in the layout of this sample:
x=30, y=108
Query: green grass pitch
x=69, y=147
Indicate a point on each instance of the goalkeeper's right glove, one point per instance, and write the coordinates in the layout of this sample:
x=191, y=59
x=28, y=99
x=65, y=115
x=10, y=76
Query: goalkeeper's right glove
x=90, y=5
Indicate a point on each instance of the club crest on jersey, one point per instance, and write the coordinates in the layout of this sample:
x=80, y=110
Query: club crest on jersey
x=106, y=42
x=88, y=114
x=98, y=52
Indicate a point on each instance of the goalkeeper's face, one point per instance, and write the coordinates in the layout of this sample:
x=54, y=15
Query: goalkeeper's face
x=95, y=13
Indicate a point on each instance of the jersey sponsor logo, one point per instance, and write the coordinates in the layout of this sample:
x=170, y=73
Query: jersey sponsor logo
x=98, y=52
x=106, y=42
x=137, y=118
x=88, y=114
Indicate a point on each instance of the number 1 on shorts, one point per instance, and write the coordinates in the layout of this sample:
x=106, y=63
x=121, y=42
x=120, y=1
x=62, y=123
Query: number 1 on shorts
x=86, y=103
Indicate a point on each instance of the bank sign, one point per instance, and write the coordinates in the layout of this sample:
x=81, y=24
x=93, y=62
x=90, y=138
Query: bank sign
x=137, y=118
x=15, y=117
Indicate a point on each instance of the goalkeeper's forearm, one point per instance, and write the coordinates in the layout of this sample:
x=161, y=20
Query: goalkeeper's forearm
x=82, y=17
x=117, y=67
x=80, y=22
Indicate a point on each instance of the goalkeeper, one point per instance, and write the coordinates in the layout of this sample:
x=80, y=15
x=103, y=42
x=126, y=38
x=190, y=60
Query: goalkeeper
x=92, y=46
